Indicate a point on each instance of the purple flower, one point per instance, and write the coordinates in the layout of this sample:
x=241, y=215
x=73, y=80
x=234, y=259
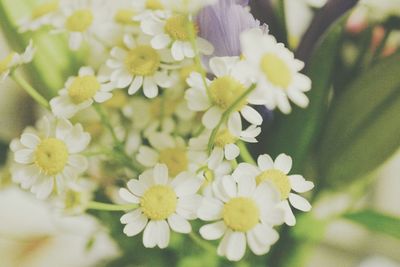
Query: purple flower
x=222, y=24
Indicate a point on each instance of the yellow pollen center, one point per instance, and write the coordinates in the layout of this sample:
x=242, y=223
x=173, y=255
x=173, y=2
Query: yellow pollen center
x=80, y=20
x=241, y=214
x=158, y=202
x=51, y=156
x=142, y=60
x=4, y=64
x=44, y=9
x=154, y=4
x=278, y=179
x=72, y=199
x=224, y=137
x=224, y=91
x=83, y=88
x=177, y=27
x=175, y=159
x=276, y=70
x=125, y=16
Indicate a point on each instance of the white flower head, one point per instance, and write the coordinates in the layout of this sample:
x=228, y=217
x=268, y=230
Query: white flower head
x=49, y=157
x=276, y=71
x=277, y=173
x=242, y=213
x=231, y=83
x=41, y=15
x=80, y=92
x=164, y=203
x=83, y=20
x=14, y=59
x=139, y=65
x=170, y=30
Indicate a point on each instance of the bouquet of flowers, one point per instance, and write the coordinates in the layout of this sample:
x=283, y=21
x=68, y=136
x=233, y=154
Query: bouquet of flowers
x=187, y=125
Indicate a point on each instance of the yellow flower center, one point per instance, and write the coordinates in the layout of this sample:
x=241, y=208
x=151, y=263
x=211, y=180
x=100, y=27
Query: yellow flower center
x=80, y=20
x=224, y=137
x=118, y=100
x=177, y=27
x=175, y=159
x=154, y=4
x=83, y=88
x=277, y=71
x=158, y=202
x=51, y=156
x=167, y=107
x=278, y=179
x=142, y=60
x=224, y=91
x=44, y=9
x=241, y=214
x=124, y=16
x=72, y=199
x=4, y=64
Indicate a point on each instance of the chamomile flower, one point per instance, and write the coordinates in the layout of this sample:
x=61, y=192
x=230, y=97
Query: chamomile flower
x=164, y=203
x=231, y=83
x=14, y=59
x=167, y=150
x=277, y=173
x=41, y=15
x=139, y=65
x=49, y=157
x=242, y=213
x=76, y=197
x=83, y=20
x=170, y=30
x=80, y=92
x=276, y=71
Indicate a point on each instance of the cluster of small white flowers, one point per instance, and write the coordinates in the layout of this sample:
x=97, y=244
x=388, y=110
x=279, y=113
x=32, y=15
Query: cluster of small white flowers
x=152, y=110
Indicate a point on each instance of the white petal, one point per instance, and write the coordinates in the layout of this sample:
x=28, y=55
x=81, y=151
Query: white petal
x=299, y=202
x=213, y=231
x=44, y=189
x=299, y=184
x=135, y=85
x=147, y=156
x=245, y=170
x=188, y=187
x=246, y=186
x=284, y=163
x=231, y=151
x=136, y=187
x=150, y=88
x=24, y=156
x=229, y=186
x=179, y=224
x=236, y=246
x=265, y=162
x=160, y=174
x=212, y=117
x=163, y=233
x=128, y=196
x=30, y=140
x=177, y=51
x=160, y=41
x=150, y=235
x=187, y=206
x=135, y=227
x=78, y=162
x=216, y=158
x=251, y=115
x=260, y=238
x=130, y=216
x=210, y=209
x=235, y=124
x=288, y=213
x=197, y=99
x=299, y=98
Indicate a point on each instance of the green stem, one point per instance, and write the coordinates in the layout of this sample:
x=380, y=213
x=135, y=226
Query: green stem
x=202, y=243
x=104, y=119
x=226, y=114
x=29, y=89
x=245, y=153
x=110, y=207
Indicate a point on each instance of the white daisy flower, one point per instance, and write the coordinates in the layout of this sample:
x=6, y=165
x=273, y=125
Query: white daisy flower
x=164, y=203
x=47, y=158
x=231, y=82
x=139, y=65
x=80, y=92
x=243, y=213
x=185, y=6
x=41, y=15
x=14, y=59
x=276, y=172
x=167, y=150
x=169, y=30
x=276, y=71
x=83, y=20
x=76, y=197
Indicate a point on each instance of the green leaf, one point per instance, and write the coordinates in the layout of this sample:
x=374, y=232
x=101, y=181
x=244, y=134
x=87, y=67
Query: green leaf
x=375, y=221
x=295, y=134
x=363, y=127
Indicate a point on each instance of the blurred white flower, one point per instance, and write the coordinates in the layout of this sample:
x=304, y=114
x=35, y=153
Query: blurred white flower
x=14, y=59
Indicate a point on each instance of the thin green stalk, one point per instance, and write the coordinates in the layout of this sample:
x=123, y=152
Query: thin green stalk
x=226, y=114
x=29, y=89
x=202, y=243
x=93, y=205
x=104, y=119
x=245, y=153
